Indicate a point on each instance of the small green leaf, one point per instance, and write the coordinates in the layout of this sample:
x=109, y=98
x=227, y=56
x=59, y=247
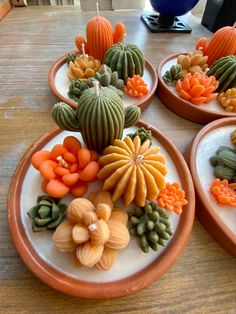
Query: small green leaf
x=53, y=224
x=55, y=211
x=62, y=209
x=36, y=228
x=32, y=213
x=42, y=222
x=44, y=211
x=45, y=202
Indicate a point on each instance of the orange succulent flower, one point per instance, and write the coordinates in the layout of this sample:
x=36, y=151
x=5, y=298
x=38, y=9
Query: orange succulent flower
x=172, y=197
x=223, y=192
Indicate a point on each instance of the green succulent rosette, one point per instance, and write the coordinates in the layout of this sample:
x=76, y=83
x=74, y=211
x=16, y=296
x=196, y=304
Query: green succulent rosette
x=47, y=213
x=173, y=75
x=143, y=133
x=151, y=225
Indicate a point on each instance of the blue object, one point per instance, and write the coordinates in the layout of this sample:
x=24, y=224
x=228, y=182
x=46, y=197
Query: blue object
x=173, y=7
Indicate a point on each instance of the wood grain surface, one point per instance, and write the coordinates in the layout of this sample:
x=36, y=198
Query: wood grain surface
x=203, y=280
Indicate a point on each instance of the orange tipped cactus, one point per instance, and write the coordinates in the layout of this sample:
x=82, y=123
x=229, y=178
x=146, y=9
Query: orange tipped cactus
x=100, y=36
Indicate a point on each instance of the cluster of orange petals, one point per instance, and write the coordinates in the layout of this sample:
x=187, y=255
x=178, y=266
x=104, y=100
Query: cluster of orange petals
x=136, y=87
x=197, y=88
x=66, y=168
x=172, y=197
x=223, y=192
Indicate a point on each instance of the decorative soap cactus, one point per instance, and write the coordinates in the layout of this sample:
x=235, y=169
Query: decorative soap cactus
x=100, y=36
x=100, y=117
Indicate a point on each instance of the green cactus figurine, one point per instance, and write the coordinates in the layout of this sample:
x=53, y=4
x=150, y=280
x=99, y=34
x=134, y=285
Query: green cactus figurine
x=101, y=117
x=47, y=213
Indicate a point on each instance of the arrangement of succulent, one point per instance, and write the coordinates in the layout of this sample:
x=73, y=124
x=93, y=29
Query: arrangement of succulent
x=200, y=75
x=130, y=167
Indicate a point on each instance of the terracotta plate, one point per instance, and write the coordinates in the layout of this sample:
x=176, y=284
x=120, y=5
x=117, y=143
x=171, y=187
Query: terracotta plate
x=203, y=114
x=220, y=221
x=133, y=269
x=59, y=84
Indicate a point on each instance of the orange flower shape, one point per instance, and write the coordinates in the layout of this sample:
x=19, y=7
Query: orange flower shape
x=93, y=232
x=223, y=192
x=133, y=170
x=66, y=168
x=198, y=88
x=136, y=87
x=172, y=197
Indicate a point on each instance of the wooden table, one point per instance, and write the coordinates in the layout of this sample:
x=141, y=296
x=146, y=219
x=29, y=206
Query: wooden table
x=203, y=279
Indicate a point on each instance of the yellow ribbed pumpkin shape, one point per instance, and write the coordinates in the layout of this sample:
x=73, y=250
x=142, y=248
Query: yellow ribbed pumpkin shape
x=133, y=170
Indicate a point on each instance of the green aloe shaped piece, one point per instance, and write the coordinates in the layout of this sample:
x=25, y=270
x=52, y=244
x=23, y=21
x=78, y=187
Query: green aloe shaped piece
x=173, y=75
x=143, y=133
x=47, y=213
x=151, y=225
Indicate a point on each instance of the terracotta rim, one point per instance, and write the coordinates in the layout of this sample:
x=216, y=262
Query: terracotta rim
x=79, y=288
x=212, y=222
x=142, y=103
x=182, y=107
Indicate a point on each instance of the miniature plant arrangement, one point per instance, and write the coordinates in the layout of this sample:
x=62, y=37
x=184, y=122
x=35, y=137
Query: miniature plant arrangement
x=133, y=170
x=95, y=229
x=100, y=117
x=151, y=225
x=92, y=233
x=199, y=75
x=136, y=87
x=47, y=213
x=66, y=168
